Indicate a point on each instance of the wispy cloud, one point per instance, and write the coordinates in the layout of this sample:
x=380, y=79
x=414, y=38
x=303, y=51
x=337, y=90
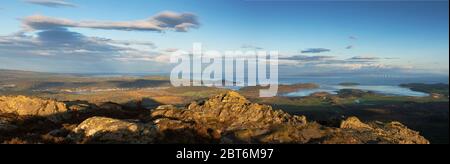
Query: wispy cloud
x=252, y=47
x=51, y=3
x=336, y=67
x=307, y=58
x=364, y=58
x=391, y=58
x=164, y=21
x=170, y=50
x=361, y=66
x=51, y=39
x=333, y=63
x=64, y=44
x=315, y=50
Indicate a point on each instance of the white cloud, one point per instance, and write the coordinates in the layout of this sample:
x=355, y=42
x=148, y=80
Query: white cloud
x=48, y=43
x=251, y=47
x=164, y=21
x=367, y=58
x=65, y=44
x=51, y=3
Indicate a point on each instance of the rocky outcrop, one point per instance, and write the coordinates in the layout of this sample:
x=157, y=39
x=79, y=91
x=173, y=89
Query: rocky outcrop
x=225, y=118
x=354, y=123
x=108, y=130
x=230, y=118
x=26, y=106
x=353, y=131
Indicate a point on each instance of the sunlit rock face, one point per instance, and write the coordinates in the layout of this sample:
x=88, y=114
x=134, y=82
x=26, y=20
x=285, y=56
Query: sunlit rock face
x=108, y=130
x=26, y=106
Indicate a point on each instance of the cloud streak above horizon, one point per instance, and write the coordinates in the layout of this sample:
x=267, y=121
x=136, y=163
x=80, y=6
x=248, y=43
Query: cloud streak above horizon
x=51, y=3
x=164, y=21
x=305, y=58
x=368, y=58
x=315, y=50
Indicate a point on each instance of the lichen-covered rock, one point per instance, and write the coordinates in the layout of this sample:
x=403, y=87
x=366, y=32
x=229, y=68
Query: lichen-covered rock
x=353, y=131
x=399, y=133
x=26, y=106
x=228, y=114
x=354, y=123
x=230, y=118
x=108, y=130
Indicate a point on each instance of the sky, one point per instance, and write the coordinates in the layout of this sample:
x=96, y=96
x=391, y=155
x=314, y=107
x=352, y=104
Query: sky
x=313, y=37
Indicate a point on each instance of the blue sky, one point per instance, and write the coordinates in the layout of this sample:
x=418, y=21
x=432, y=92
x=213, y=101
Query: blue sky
x=360, y=37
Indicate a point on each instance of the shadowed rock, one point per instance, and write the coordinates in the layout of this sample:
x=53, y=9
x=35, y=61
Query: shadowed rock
x=6, y=124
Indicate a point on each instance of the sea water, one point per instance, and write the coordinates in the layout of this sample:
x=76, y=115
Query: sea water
x=380, y=89
x=381, y=85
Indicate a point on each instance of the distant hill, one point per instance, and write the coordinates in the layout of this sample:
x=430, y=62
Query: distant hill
x=40, y=81
x=439, y=88
x=18, y=74
x=349, y=84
